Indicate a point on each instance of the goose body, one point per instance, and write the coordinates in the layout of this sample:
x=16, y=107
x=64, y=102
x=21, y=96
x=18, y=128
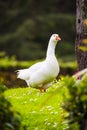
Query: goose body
x=41, y=74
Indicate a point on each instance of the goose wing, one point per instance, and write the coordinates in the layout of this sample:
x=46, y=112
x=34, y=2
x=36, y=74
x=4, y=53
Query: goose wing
x=25, y=74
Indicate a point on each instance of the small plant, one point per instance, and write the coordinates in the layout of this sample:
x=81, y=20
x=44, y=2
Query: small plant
x=9, y=119
x=76, y=103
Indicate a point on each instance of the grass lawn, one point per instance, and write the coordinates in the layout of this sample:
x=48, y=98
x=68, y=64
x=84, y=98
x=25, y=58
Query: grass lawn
x=40, y=111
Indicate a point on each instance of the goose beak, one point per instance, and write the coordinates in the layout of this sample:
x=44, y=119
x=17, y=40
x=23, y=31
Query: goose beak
x=58, y=38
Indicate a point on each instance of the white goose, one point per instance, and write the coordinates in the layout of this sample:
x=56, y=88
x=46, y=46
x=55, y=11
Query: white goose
x=41, y=74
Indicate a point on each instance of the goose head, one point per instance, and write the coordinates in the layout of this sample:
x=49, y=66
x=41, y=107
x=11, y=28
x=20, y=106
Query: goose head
x=55, y=38
x=52, y=44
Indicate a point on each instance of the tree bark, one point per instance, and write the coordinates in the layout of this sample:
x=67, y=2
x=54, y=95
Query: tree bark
x=80, y=34
x=83, y=124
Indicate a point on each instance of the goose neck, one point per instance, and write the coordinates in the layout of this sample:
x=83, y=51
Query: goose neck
x=51, y=49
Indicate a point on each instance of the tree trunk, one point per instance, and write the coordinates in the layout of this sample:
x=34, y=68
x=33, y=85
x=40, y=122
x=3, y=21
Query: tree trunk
x=83, y=124
x=80, y=33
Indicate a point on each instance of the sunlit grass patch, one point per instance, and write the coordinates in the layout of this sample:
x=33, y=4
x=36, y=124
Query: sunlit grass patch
x=40, y=111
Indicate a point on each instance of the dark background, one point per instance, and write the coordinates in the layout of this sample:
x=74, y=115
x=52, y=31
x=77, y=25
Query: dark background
x=26, y=26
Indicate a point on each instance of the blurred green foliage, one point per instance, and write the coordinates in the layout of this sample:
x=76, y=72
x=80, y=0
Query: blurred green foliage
x=9, y=119
x=7, y=63
x=25, y=27
x=76, y=103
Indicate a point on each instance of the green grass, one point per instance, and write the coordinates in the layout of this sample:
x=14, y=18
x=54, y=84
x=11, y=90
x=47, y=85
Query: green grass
x=40, y=111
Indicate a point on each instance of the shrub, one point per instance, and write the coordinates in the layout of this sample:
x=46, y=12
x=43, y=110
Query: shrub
x=76, y=103
x=9, y=119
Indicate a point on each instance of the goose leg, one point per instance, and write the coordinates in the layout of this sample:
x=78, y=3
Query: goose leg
x=41, y=89
x=44, y=90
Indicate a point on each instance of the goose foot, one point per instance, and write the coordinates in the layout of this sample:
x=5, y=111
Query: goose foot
x=42, y=90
